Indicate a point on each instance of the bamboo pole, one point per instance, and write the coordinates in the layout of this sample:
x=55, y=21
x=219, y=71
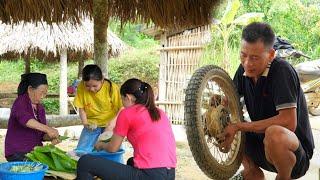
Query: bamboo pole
x=27, y=61
x=162, y=69
x=174, y=48
x=80, y=65
x=15, y=95
x=63, y=96
x=53, y=121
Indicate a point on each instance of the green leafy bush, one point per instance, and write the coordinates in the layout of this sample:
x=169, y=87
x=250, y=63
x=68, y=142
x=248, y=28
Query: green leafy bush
x=130, y=33
x=51, y=105
x=142, y=64
x=10, y=71
x=294, y=20
x=297, y=23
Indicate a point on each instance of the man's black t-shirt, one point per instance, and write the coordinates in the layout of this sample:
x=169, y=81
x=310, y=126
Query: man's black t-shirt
x=278, y=88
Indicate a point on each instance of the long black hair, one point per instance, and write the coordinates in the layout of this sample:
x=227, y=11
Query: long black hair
x=93, y=72
x=31, y=79
x=143, y=93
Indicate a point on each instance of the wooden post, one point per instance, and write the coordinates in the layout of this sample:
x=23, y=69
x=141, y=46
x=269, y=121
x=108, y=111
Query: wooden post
x=63, y=96
x=80, y=65
x=26, y=61
x=162, y=69
x=100, y=27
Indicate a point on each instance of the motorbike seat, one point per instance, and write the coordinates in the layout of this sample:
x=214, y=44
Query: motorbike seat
x=308, y=70
x=309, y=67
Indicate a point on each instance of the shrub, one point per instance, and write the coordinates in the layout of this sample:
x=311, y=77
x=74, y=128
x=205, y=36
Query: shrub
x=130, y=33
x=51, y=105
x=141, y=64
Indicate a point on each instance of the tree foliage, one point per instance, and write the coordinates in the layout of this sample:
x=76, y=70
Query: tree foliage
x=298, y=21
x=141, y=64
x=227, y=25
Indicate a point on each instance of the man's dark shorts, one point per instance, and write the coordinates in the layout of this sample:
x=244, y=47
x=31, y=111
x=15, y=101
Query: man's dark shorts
x=255, y=150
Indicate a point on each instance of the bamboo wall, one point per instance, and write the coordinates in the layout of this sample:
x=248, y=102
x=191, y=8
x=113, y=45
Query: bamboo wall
x=179, y=57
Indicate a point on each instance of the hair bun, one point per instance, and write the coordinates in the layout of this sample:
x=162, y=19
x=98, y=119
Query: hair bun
x=143, y=87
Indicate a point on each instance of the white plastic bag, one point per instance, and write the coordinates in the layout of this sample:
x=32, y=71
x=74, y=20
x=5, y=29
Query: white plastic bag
x=105, y=136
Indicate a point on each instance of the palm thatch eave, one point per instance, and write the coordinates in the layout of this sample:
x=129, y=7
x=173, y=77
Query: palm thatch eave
x=168, y=14
x=46, y=38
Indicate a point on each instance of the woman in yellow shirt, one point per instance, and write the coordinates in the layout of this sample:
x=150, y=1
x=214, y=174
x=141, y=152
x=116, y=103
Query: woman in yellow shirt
x=99, y=101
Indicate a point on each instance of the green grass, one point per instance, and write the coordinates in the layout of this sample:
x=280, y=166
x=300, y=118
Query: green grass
x=138, y=63
x=10, y=71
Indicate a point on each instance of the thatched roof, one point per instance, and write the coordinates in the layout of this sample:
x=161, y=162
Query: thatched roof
x=50, y=11
x=163, y=13
x=52, y=38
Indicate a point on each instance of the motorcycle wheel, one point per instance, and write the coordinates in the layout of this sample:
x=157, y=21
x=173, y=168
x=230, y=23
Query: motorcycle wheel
x=207, y=115
x=314, y=111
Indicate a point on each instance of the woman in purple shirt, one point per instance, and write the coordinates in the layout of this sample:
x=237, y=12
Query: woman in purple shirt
x=27, y=126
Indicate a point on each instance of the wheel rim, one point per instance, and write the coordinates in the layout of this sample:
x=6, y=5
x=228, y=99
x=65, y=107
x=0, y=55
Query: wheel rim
x=222, y=113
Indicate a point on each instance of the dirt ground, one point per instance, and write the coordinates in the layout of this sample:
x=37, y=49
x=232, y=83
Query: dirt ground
x=8, y=87
x=187, y=168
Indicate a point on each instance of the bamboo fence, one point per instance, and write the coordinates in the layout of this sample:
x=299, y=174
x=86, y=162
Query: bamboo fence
x=179, y=58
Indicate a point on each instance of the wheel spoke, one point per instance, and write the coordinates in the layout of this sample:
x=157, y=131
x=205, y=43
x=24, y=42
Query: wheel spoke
x=214, y=96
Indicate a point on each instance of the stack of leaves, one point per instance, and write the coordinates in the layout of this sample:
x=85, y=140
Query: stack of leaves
x=54, y=157
x=26, y=167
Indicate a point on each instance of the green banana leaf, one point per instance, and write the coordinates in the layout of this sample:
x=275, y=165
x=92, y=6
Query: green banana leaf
x=231, y=11
x=42, y=149
x=248, y=18
x=31, y=157
x=55, y=158
x=57, y=162
x=67, y=162
x=43, y=158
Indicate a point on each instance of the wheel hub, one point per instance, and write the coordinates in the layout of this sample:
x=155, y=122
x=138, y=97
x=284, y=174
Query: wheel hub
x=217, y=117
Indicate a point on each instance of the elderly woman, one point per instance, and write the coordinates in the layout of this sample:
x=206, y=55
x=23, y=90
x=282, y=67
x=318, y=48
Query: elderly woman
x=27, y=126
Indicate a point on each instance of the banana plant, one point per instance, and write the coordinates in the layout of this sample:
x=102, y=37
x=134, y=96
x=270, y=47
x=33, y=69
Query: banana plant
x=227, y=24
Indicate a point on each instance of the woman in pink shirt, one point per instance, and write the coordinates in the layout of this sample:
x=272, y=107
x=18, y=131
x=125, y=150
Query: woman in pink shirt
x=149, y=131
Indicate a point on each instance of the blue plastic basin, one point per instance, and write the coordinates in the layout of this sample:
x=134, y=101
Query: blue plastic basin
x=117, y=156
x=6, y=174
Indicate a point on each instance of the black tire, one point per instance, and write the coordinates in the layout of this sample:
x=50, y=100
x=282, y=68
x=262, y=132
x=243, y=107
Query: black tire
x=194, y=123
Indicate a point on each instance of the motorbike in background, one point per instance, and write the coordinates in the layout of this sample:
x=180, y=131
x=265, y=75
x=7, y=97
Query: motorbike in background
x=309, y=73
